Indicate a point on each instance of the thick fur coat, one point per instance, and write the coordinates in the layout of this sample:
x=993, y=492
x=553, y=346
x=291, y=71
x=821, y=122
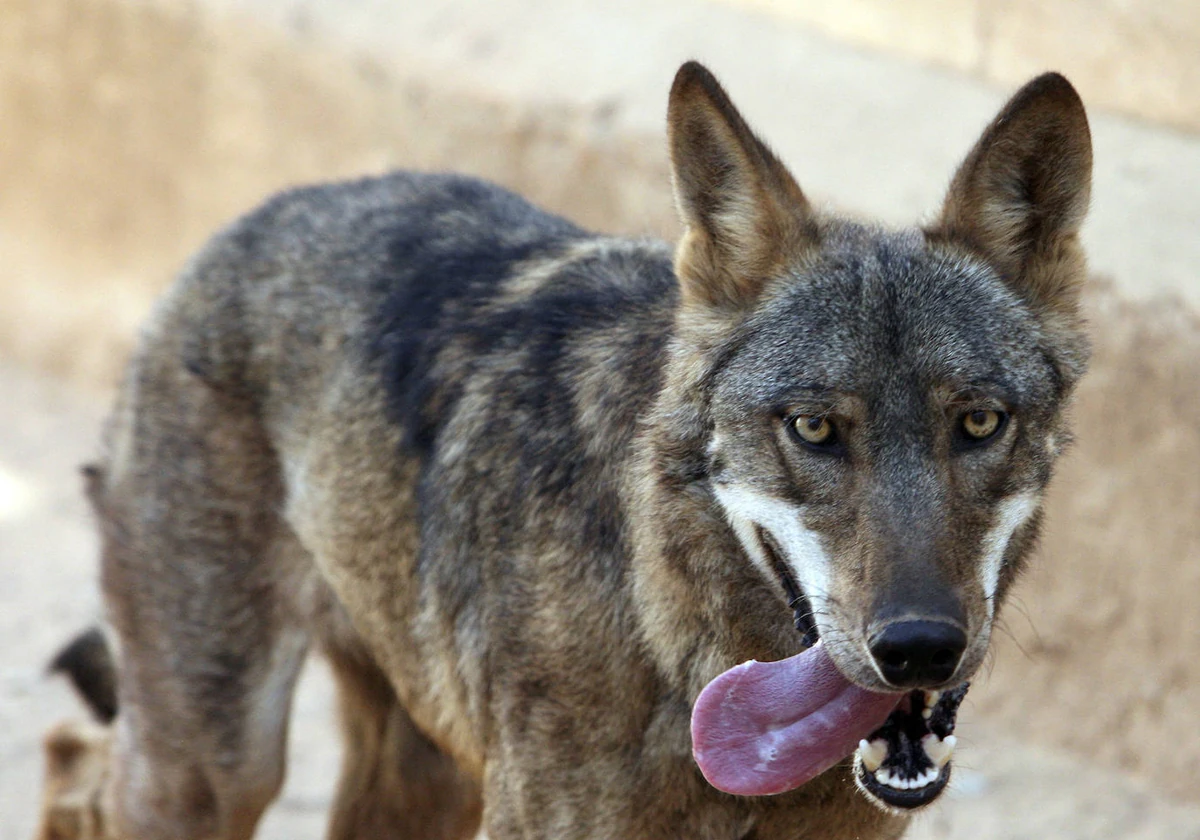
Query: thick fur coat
x=530, y=489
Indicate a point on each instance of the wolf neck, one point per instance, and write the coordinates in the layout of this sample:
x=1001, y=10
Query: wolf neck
x=692, y=602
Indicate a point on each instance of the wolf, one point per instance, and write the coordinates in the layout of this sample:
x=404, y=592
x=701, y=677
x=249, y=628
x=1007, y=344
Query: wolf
x=601, y=538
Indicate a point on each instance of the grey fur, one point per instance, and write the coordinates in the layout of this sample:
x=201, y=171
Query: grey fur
x=472, y=453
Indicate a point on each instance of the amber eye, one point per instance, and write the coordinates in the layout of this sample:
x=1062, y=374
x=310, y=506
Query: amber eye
x=814, y=429
x=981, y=424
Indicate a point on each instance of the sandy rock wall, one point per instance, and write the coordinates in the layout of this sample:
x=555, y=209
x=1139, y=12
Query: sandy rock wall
x=1141, y=57
x=1101, y=649
x=129, y=131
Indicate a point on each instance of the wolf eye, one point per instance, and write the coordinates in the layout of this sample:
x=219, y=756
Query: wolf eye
x=814, y=429
x=981, y=424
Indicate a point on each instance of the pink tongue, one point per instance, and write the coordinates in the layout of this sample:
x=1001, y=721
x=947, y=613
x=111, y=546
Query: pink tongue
x=768, y=727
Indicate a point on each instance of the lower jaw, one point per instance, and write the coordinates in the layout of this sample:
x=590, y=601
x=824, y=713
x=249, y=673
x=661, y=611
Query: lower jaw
x=905, y=764
x=894, y=799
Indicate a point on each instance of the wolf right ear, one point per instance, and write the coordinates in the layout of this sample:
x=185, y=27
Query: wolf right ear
x=1022, y=193
x=743, y=211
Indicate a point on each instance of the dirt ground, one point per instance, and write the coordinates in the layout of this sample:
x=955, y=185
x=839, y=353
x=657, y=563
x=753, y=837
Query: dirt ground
x=130, y=130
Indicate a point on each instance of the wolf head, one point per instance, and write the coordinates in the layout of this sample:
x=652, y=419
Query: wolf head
x=873, y=415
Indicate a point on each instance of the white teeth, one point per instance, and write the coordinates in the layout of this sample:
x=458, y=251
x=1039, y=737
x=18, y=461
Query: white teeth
x=938, y=750
x=884, y=777
x=873, y=753
x=931, y=699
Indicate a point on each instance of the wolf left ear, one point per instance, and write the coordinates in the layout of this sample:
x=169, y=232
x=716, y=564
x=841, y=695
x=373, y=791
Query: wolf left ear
x=742, y=209
x=1022, y=193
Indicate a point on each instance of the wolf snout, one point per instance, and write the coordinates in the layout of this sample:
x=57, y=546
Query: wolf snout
x=918, y=654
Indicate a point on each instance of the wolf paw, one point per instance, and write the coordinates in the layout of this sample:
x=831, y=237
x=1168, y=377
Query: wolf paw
x=77, y=761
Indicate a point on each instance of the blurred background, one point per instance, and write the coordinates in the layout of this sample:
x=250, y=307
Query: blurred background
x=131, y=129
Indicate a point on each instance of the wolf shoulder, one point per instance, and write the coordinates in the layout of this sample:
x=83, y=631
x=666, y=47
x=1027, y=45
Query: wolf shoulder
x=416, y=280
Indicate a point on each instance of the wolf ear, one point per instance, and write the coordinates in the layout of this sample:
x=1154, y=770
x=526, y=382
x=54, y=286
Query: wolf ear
x=742, y=210
x=1022, y=193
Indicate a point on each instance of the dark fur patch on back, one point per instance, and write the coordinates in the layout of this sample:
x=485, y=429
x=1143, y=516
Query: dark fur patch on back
x=545, y=331
x=448, y=254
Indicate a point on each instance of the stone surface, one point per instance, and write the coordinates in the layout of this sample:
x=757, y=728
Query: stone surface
x=944, y=32
x=1103, y=630
x=133, y=129
x=1139, y=57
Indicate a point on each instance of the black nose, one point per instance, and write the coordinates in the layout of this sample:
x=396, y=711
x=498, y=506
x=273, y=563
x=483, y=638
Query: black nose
x=915, y=654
